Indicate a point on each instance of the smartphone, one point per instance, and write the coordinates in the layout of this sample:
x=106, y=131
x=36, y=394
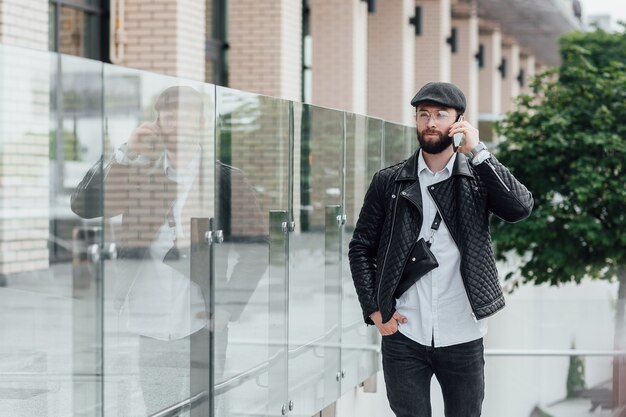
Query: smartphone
x=458, y=137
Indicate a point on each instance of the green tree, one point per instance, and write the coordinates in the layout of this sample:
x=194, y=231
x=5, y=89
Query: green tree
x=567, y=142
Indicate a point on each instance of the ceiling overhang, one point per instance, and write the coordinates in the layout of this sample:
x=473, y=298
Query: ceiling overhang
x=536, y=25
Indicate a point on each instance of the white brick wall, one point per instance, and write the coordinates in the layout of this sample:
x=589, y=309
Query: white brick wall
x=24, y=23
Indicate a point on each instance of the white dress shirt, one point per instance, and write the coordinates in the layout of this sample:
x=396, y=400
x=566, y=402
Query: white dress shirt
x=436, y=307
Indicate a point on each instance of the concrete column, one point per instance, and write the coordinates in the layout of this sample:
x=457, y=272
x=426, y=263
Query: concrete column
x=510, y=85
x=391, y=62
x=527, y=65
x=339, y=57
x=24, y=23
x=489, y=77
x=432, y=53
x=265, y=41
x=167, y=37
x=464, y=69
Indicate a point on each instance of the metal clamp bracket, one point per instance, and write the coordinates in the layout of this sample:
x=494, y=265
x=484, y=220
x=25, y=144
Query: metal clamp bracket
x=214, y=236
x=288, y=226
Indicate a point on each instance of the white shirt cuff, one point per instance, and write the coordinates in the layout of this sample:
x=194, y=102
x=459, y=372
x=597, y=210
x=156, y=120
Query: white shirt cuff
x=481, y=157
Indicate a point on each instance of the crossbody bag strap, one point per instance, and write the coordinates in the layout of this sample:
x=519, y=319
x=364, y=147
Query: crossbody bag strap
x=433, y=228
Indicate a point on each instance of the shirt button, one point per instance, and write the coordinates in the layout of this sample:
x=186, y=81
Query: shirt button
x=413, y=259
x=393, y=196
x=403, y=193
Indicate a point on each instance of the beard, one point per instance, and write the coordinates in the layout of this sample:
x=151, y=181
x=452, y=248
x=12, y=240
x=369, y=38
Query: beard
x=434, y=146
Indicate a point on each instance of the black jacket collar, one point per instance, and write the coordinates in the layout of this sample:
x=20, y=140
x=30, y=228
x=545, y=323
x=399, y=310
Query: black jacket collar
x=408, y=171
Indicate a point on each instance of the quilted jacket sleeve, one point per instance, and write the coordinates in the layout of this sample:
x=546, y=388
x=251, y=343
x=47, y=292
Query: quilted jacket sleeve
x=364, y=247
x=507, y=198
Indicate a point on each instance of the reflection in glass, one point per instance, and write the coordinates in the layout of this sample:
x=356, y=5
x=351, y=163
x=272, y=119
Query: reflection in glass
x=250, y=293
x=400, y=142
x=148, y=186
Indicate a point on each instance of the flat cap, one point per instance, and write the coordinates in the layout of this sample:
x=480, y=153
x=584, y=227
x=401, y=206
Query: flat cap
x=446, y=94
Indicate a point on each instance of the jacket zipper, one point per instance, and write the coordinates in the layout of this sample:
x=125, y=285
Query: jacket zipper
x=497, y=176
x=393, y=224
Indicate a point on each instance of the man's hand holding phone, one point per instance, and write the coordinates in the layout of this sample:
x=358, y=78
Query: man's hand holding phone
x=469, y=134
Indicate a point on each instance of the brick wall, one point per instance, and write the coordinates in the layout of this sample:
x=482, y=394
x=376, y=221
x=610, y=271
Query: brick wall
x=24, y=23
x=166, y=37
x=391, y=62
x=190, y=39
x=339, y=58
x=265, y=47
x=489, y=79
x=527, y=63
x=258, y=130
x=510, y=85
x=434, y=65
x=24, y=160
x=464, y=70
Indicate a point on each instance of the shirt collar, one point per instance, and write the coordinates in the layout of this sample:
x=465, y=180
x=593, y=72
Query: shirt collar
x=421, y=164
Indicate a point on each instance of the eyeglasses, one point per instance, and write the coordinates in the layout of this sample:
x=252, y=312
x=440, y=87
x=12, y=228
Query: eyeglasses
x=440, y=116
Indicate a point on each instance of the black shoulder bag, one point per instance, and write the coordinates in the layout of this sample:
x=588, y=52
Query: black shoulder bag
x=419, y=262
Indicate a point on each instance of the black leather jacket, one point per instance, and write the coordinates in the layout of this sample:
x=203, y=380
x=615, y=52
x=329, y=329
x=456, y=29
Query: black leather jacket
x=391, y=218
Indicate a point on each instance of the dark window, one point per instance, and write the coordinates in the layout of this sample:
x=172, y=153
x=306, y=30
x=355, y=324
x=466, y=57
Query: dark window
x=307, y=76
x=80, y=28
x=217, y=42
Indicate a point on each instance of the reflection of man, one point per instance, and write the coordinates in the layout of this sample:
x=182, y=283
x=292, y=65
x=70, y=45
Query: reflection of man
x=157, y=182
x=433, y=324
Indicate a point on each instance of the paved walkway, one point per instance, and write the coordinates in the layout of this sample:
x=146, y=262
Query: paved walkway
x=576, y=407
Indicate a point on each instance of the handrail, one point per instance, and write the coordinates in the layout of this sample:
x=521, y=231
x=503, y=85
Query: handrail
x=552, y=352
x=261, y=368
x=184, y=405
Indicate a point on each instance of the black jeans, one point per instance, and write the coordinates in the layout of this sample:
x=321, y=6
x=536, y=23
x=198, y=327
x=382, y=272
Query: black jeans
x=408, y=368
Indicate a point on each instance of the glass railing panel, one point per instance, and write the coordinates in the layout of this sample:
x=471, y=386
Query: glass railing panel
x=359, y=359
x=50, y=128
x=252, y=178
x=398, y=146
x=155, y=176
x=314, y=269
x=374, y=135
